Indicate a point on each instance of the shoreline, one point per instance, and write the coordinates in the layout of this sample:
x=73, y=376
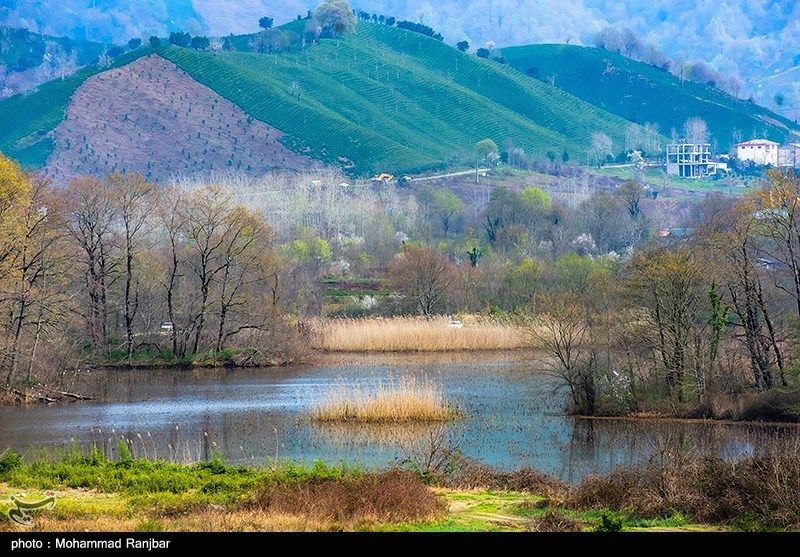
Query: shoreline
x=44, y=394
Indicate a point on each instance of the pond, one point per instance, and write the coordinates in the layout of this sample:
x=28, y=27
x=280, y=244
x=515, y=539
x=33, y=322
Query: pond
x=512, y=417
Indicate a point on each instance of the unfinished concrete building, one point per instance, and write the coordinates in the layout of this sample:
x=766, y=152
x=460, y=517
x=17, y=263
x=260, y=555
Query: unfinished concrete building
x=689, y=160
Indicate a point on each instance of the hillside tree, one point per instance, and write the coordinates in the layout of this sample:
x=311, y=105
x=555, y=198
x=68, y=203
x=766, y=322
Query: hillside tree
x=336, y=18
x=447, y=206
x=601, y=147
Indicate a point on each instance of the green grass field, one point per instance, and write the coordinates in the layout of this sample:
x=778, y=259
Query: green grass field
x=642, y=93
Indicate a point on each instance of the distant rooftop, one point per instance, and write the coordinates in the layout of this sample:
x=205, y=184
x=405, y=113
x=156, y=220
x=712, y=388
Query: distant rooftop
x=752, y=142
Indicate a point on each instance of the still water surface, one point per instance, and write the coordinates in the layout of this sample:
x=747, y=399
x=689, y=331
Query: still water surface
x=512, y=418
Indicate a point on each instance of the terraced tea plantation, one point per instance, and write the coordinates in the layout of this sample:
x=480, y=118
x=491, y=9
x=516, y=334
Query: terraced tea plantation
x=643, y=93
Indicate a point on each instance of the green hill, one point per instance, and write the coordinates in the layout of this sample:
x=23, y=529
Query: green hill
x=389, y=99
x=642, y=93
x=383, y=99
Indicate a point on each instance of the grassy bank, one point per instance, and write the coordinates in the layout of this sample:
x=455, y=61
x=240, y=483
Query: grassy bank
x=415, y=334
x=97, y=494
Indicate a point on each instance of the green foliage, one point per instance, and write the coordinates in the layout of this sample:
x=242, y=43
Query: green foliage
x=642, y=93
x=610, y=522
x=536, y=199
x=486, y=149
x=158, y=486
x=124, y=453
x=335, y=17
x=8, y=461
x=576, y=273
x=718, y=318
x=216, y=465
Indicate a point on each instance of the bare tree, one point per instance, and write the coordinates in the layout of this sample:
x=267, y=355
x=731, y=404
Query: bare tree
x=33, y=265
x=171, y=218
x=563, y=330
x=133, y=200
x=600, y=148
x=205, y=215
x=729, y=230
x=423, y=276
x=245, y=259
x=695, y=130
x=778, y=204
x=666, y=285
x=90, y=219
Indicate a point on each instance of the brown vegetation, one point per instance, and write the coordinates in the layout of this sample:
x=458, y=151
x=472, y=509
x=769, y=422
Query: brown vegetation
x=394, y=400
x=393, y=496
x=554, y=521
x=152, y=118
x=761, y=489
x=414, y=334
x=471, y=474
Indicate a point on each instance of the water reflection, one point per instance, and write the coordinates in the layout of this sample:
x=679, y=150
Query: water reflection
x=512, y=419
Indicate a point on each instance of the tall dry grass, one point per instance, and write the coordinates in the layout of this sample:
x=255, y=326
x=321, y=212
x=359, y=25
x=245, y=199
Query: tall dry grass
x=412, y=334
x=393, y=496
x=394, y=400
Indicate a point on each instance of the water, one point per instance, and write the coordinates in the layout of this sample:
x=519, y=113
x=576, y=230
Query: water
x=512, y=418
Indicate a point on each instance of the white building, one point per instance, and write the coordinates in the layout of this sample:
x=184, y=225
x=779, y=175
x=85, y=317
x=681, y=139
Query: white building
x=689, y=160
x=760, y=151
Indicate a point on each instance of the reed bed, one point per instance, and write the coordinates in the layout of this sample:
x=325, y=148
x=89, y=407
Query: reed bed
x=408, y=398
x=416, y=334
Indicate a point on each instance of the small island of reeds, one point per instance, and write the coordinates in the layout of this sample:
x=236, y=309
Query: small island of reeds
x=405, y=399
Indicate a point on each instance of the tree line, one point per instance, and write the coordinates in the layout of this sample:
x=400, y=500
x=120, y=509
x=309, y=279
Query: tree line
x=105, y=269
x=630, y=313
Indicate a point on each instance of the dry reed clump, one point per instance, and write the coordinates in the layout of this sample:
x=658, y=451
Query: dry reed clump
x=393, y=496
x=760, y=489
x=415, y=334
x=394, y=400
